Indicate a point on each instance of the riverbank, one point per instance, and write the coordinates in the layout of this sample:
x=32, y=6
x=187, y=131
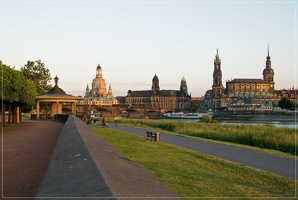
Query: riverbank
x=291, y=117
x=288, y=118
x=268, y=137
x=192, y=174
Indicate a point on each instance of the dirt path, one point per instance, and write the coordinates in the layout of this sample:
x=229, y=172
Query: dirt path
x=26, y=155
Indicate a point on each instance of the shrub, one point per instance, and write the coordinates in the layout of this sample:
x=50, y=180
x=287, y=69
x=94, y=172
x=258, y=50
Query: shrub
x=206, y=118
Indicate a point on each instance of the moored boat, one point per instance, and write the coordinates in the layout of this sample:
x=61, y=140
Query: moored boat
x=181, y=115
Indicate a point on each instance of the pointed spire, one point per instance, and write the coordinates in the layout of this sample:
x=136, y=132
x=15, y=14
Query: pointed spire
x=217, y=56
x=268, y=57
x=56, y=80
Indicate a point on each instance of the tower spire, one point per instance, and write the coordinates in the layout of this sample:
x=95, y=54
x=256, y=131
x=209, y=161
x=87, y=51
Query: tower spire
x=268, y=56
x=217, y=56
x=56, y=80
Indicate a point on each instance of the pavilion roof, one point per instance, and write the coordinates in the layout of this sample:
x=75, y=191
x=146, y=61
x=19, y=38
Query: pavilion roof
x=57, y=93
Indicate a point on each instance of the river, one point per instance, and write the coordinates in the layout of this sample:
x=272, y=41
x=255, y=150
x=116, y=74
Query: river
x=258, y=123
x=289, y=124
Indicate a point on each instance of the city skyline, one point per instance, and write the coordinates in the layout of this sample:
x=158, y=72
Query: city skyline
x=133, y=41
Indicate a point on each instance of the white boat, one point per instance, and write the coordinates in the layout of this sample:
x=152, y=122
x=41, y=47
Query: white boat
x=181, y=115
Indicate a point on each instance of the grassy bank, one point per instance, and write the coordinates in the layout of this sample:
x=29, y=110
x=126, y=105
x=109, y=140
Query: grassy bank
x=191, y=174
x=264, y=136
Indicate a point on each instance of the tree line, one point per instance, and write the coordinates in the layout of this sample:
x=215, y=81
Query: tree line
x=20, y=88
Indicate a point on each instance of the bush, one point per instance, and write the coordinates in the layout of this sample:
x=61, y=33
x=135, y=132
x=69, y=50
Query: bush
x=206, y=118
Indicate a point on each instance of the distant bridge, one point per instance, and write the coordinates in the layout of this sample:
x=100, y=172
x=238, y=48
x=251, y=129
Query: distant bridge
x=131, y=112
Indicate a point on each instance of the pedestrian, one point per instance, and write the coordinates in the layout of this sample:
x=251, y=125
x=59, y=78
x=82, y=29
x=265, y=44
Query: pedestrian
x=116, y=119
x=103, y=122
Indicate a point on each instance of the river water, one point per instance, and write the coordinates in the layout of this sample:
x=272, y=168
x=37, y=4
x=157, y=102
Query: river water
x=289, y=124
x=258, y=123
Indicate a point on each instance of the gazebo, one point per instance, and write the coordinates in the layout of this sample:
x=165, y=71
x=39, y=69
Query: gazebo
x=56, y=96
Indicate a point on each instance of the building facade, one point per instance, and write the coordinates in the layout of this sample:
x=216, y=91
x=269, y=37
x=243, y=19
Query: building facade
x=162, y=100
x=98, y=95
x=254, y=90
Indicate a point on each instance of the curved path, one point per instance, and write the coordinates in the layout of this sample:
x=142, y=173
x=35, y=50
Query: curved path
x=266, y=162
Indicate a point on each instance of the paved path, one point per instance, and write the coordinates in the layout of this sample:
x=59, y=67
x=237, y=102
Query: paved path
x=83, y=165
x=27, y=148
x=266, y=162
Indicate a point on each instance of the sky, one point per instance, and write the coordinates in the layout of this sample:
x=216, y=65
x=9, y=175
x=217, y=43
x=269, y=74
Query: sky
x=134, y=40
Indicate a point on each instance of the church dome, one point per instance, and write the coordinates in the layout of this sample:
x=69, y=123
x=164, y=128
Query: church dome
x=98, y=66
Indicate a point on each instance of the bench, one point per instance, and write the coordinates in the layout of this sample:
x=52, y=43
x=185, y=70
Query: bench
x=150, y=136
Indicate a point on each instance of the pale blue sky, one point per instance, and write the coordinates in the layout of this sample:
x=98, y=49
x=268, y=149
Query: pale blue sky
x=134, y=40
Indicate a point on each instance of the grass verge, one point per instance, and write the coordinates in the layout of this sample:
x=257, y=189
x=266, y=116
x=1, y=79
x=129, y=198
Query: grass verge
x=267, y=137
x=191, y=174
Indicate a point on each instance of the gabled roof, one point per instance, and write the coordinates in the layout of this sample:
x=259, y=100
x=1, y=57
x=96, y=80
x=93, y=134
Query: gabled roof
x=141, y=93
x=248, y=80
x=169, y=92
x=148, y=93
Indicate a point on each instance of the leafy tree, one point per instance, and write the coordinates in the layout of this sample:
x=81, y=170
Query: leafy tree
x=194, y=106
x=38, y=74
x=286, y=103
x=16, y=91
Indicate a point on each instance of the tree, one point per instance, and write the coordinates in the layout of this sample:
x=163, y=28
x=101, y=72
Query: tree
x=194, y=106
x=286, y=103
x=16, y=91
x=38, y=74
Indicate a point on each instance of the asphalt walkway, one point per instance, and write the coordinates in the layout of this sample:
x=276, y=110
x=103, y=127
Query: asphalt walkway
x=266, y=162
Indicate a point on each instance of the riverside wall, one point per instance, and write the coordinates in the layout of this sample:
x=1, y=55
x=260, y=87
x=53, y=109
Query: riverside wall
x=71, y=171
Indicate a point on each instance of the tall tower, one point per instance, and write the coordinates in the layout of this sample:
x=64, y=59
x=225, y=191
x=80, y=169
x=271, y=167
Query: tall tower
x=183, y=86
x=217, y=77
x=268, y=73
x=87, y=91
x=155, y=85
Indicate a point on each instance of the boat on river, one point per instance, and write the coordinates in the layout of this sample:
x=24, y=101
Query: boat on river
x=181, y=115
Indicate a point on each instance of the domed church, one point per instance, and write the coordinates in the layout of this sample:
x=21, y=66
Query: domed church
x=98, y=95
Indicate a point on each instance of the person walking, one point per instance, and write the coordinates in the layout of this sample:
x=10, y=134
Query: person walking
x=103, y=124
x=116, y=120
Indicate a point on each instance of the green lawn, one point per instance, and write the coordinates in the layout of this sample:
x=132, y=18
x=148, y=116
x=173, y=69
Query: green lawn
x=191, y=174
x=265, y=137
